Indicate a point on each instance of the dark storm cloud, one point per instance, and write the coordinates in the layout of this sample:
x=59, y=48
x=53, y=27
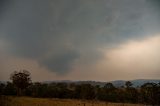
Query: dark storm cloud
x=56, y=33
x=61, y=62
x=3, y=6
x=24, y=26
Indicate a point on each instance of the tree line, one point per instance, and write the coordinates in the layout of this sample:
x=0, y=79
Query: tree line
x=21, y=85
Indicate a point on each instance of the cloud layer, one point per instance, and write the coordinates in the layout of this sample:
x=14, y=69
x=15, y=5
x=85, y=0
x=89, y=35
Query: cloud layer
x=64, y=36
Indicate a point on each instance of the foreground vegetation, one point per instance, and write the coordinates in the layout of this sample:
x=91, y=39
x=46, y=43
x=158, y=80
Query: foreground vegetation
x=28, y=101
x=21, y=85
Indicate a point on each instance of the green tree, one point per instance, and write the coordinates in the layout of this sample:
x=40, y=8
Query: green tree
x=109, y=86
x=128, y=84
x=109, y=91
x=2, y=86
x=9, y=89
x=150, y=93
x=85, y=91
x=21, y=80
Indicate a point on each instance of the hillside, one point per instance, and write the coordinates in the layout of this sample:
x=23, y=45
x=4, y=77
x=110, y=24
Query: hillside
x=116, y=83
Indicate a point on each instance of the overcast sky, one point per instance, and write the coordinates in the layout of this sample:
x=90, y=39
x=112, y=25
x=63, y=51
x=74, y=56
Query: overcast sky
x=98, y=40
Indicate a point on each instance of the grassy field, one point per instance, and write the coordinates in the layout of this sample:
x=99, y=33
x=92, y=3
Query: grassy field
x=28, y=101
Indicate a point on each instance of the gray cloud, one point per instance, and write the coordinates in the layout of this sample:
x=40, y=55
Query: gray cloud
x=56, y=33
x=61, y=62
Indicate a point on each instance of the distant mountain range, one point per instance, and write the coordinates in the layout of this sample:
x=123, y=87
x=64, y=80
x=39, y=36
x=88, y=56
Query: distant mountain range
x=136, y=83
x=116, y=83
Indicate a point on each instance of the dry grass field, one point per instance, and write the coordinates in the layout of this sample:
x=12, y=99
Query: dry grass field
x=28, y=101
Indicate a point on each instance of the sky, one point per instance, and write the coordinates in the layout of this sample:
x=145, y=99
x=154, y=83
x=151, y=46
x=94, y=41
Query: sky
x=100, y=40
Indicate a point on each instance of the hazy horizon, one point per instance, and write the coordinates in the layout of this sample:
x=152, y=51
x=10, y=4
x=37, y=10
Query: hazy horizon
x=80, y=40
